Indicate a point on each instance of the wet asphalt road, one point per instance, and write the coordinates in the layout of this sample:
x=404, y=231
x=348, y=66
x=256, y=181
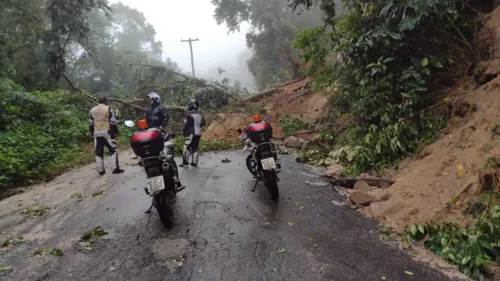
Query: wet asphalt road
x=223, y=231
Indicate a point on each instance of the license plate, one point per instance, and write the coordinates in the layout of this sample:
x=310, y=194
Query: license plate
x=156, y=184
x=268, y=163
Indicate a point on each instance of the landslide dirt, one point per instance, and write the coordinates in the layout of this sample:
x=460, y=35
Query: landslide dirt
x=426, y=185
x=296, y=99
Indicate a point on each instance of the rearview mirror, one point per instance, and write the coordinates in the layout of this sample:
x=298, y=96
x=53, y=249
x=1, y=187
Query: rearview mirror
x=129, y=123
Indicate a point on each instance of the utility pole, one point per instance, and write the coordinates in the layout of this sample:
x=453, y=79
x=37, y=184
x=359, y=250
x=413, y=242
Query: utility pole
x=191, y=48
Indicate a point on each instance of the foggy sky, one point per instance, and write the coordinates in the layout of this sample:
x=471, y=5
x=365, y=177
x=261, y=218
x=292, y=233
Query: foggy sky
x=174, y=20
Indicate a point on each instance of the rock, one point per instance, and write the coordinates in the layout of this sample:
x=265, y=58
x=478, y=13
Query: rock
x=305, y=145
x=333, y=170
x=361, y=198
x=293, y=142
x=362, y=186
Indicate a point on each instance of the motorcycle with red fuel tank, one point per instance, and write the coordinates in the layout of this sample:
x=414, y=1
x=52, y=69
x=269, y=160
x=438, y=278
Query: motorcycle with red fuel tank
x=156, y=153
x=263, y=162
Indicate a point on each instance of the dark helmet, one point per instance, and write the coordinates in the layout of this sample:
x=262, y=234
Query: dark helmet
x=192, y=104
x=103, y=99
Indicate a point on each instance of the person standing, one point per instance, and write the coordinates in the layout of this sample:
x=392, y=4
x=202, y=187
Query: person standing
x=157, y=114
x=192, y=134
x=103, y=128
x=157, y=117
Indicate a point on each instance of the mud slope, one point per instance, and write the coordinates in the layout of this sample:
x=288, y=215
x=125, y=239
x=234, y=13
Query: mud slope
x=294, y=98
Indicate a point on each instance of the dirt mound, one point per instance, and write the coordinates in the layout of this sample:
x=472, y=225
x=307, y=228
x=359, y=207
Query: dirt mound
x=448, y=174
x=294, y=98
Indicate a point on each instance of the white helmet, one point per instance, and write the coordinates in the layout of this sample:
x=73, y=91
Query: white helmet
x=154, y=96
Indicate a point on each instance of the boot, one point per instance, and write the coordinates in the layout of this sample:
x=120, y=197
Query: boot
x=102, y=173
x=184, y=163
x=118, y=171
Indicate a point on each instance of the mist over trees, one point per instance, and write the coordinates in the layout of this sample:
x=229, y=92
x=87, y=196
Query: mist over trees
x=273, y=27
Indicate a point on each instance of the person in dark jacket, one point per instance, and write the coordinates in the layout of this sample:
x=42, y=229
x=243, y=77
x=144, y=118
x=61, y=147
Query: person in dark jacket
x=102, y=125
x=157, y=115
x=192, y=134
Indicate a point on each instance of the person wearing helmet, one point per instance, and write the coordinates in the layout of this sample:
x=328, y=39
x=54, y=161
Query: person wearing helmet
x=192, y=133
x=102, y=125
x=156, y=115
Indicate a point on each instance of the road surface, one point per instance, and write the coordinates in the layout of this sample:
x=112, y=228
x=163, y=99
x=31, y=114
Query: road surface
x=222, y=232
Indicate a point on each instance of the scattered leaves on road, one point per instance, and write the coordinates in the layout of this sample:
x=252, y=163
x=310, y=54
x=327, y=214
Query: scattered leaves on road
x=53, y=252
x=226, y=160
x=13, y=241
x=5, y=270
x=77, y=196
x=409, y=273
x=92, y=234
x=100, y=192
x=291, y=224
x=383, y=278
x=282, y=251
x=35, y=213
x=89, y=237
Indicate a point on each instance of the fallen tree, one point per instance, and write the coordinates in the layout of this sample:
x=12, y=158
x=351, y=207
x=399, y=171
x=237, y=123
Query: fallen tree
x=126, y=103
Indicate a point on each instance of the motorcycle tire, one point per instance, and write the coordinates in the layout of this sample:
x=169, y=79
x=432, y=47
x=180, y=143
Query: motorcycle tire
x=249, y=161
x=272, y=185
x=164, y=209
x=164, y=205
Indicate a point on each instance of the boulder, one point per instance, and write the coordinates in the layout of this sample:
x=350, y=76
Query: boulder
x=293, y=142
x=361, y=198
x=305, y=145
x=333, y=170
x=362, y=186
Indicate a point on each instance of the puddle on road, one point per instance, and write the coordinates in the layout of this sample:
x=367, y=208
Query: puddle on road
x=338, y=203
x=320, y=183
x=310, y=175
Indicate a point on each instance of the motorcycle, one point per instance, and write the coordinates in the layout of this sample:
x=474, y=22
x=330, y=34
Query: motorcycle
x=263, y=162
x=156, y=153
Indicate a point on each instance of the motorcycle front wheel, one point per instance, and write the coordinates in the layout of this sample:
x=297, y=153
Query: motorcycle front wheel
x=272, y=185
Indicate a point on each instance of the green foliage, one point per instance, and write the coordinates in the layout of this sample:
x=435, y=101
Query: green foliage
x=40, y=132
x=386, y=64
x=471, y=248
x=291, y=125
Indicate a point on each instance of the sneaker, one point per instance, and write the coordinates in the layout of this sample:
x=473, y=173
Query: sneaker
x=118, y=171
x=102, y=173
x=183, y=164
x=194, y=164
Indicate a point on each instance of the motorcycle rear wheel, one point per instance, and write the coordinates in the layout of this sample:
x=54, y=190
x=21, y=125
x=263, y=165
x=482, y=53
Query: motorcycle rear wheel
x=272, y=185
x=164, y=208
x=164, y=204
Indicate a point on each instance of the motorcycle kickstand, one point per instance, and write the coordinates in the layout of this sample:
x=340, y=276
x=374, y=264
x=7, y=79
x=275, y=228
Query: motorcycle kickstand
x=255, y=186
x=149, y=210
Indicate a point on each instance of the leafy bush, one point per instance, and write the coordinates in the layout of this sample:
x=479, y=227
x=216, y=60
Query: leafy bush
x=291, y=125
x=388, y=62
x=39, y=132
x=470, y=248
